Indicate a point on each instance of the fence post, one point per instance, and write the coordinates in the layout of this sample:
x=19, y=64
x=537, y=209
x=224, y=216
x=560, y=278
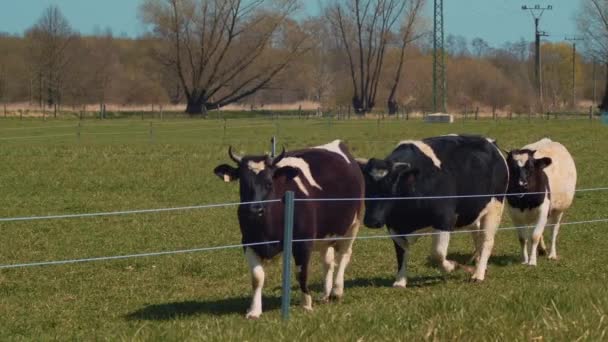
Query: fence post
x=287, y=238
x=151, y=133
x=590, y=113
x=78, y=132
x=273, y=142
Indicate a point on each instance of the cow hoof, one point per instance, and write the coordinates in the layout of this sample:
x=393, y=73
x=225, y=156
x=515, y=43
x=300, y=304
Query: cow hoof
x=467, y=269
x=553, y=257
x=325, y=299
x=307, y=308
x=475, y=280
x=253, y=315
x=400, y=284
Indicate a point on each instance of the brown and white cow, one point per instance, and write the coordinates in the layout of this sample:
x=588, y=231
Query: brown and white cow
x=547, y=171
x=321, y=172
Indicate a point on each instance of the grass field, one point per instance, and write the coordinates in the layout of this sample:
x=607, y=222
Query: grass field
x=51, y=168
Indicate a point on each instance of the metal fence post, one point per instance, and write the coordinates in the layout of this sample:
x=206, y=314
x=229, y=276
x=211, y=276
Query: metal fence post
x=273, y=142
x=287, y=238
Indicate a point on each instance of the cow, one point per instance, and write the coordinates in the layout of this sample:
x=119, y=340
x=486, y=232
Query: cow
x=321, y=172
x=452, y=169
x=544, y=169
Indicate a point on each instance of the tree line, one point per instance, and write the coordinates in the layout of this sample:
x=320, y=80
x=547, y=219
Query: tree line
x=371, y=55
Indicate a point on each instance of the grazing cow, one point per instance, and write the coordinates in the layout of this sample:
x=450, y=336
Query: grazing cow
x=547, y=171
x=452, y=165
x=326, y=171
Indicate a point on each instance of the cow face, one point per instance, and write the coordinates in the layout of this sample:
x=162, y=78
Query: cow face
x=385, y=179
x=259, y=178
x=525, y=171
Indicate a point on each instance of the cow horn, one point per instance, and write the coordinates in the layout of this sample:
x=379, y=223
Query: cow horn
x=237, y=159
x=278, y=158
x=399, y=164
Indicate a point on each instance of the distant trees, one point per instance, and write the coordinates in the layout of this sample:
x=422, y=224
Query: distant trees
x=205, y=54
x=50, y=39
x=364, y=29
x=220, y=50
x=407, y=35
x=593, y=25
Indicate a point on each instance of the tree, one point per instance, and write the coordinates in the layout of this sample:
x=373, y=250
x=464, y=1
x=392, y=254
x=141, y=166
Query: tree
x=220, y=49
x=50, y=40
x=593, y=26
x=480, y=47
x=407, y=36
x=364, y=28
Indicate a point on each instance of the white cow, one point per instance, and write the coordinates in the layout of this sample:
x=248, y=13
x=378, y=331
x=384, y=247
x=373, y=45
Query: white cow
x=546, y=170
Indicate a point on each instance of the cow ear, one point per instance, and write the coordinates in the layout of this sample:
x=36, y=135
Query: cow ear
x=287, y=171
x=227, y=173
x=543, y=162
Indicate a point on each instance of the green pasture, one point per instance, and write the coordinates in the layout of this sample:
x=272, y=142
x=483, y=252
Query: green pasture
x=66, y=167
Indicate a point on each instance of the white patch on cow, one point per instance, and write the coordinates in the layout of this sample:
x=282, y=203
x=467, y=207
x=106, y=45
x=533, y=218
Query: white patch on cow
x=226, y=178
x=441, y=242
x=256, y=167
x=306, y=302
x=489, y=221
x=490, y=140
x=378, y=174
x=304, y=168
x=425, y=149
x=450, y=135
x=257, y=282
x=334, y=147
x=329, y=264
x=520, y=158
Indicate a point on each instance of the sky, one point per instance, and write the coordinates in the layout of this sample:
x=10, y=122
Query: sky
x=496, y=21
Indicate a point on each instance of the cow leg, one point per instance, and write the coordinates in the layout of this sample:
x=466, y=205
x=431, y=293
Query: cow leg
x=477, y=242
x=327, y=255
x=489, y=224
x=439, y=251
x=344, y=249
x=555, y=219
x=522, y=236
x=257, y=282
x=301, y=254
x=401, y=250
x=537, y=233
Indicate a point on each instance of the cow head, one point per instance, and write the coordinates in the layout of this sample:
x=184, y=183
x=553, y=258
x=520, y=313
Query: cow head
x=259, y=177
x=385, y=179
x=525, y=171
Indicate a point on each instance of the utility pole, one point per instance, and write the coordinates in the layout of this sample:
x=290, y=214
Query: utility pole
x=439, y=69
x=573, y=40
x=594, y=83
x=537, y=12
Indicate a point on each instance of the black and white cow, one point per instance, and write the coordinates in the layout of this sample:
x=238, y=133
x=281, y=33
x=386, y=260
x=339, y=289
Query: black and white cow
x=546, y=169
x=450, y=165
x=327, y=171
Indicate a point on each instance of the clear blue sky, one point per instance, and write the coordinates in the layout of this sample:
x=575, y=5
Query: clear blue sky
x=496, y=21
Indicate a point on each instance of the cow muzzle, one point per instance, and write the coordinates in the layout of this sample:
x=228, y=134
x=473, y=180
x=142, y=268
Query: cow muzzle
x=256, y=210
x=373, y=222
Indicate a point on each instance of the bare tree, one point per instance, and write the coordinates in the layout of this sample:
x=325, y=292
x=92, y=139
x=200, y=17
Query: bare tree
x=593, y=25
x=407, y=36
x=217, y=48
x=50, y=39
x=364, y=28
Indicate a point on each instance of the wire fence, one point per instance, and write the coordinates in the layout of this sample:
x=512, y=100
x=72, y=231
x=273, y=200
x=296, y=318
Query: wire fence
x=229, y=204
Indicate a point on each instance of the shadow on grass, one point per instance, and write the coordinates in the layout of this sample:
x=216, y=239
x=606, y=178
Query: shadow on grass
x=425, y=281
x=228, y=306
x=497, y=260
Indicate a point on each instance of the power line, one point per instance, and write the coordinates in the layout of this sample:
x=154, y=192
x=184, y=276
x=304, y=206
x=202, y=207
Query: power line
x=537, y=11
x=574, y=39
